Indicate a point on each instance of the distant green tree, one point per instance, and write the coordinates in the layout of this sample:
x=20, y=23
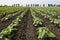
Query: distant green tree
x=18, y=4
x=31, y=5
x=58, y=5
x=54, y=5
x=43, y=5
x=5, y=5
x=28, y=5
x=48, y=5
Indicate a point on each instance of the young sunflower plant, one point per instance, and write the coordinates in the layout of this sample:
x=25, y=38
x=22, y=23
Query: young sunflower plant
x=43, y=32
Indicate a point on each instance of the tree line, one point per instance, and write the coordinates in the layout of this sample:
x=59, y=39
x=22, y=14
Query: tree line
x=49, y=5
x=34, y=5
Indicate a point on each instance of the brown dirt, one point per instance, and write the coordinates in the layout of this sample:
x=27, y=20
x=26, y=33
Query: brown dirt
x=51, y=26
x=26, y=30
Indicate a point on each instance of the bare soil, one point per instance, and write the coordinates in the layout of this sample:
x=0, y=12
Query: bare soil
x=26, y=30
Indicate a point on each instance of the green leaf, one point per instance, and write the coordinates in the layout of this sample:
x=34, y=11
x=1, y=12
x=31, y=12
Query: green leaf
x=1, y=36
x=41, y=33
x=6, y=38
x=50, y=34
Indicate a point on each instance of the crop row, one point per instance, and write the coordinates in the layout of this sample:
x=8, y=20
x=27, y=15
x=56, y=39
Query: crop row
x=9, y=10
x=5, y=34
x=53, y=16
x=42, y=30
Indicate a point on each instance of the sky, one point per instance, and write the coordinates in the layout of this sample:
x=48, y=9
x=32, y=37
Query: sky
x=23, y=2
